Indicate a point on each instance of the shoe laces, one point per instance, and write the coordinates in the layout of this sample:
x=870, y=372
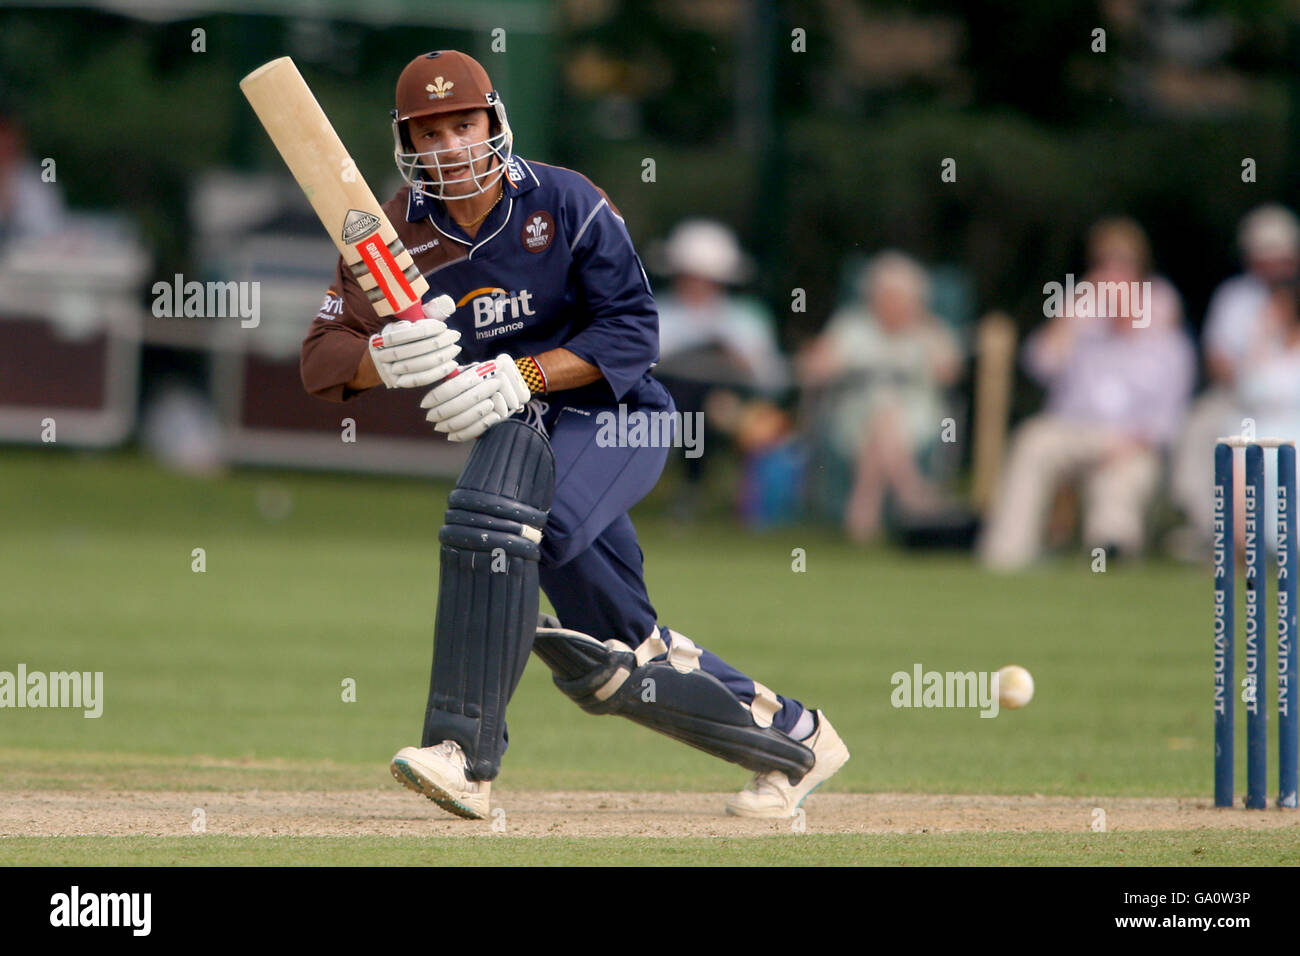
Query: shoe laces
x=451, y=750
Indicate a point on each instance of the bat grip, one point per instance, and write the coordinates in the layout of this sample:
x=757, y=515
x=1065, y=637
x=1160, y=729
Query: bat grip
x=412, y=313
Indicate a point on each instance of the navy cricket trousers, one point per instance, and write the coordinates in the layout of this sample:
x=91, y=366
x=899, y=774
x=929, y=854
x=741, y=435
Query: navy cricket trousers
x=592, y=565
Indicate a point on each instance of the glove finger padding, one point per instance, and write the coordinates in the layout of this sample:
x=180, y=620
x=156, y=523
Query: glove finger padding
x=405, y=353
x=465, y=419
x=421, y=379
x=457, y=404
x=402, y=332
x=443, y=341
x=476, y=397
x=462, y=380
x=478, y=428
x=418, y=356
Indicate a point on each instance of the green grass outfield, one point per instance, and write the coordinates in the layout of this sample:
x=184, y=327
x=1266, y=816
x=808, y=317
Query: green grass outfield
x=1204, y=848
x=246, y=662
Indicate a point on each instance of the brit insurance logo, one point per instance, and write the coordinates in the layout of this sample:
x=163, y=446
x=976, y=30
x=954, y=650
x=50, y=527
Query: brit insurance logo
x=539, y=230
x=497, y=311
x=331, y=308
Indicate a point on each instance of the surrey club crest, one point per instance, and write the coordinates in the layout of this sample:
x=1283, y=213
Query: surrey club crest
x=539, y=230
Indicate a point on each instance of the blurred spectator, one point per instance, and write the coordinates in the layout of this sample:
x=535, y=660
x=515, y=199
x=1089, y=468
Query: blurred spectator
x=702, y=323
x=180, y=429
x=29, y=206
x=1268, y=394
x=709, y=337
x=1118, y=387
x=770, y=489
x=884, y=360
x=1270, y=246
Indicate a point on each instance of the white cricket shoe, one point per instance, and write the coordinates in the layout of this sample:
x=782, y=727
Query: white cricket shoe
x=771, y=794
x=438, y=772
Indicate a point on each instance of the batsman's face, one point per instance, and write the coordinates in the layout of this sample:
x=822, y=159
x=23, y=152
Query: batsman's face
x=454, y=149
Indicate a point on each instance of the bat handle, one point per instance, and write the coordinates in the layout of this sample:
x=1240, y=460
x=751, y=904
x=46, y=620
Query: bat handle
x=412, y=313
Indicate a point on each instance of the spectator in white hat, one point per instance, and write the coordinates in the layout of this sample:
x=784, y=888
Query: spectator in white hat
x=712, y=340
x=702, y=315
x=1270, y=246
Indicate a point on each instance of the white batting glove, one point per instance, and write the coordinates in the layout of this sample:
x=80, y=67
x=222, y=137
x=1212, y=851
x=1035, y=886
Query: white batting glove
x=415, y=354
x=476, y=397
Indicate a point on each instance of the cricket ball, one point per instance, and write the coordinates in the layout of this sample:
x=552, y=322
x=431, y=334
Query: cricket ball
x=1015, y=687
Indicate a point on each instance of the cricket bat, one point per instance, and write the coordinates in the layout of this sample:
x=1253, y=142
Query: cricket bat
x=347, y=208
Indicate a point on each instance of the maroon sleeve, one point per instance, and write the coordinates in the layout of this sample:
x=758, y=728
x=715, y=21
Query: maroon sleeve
x=338, y=338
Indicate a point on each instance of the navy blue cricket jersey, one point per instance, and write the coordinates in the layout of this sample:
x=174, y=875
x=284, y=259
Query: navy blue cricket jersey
x=552, y=265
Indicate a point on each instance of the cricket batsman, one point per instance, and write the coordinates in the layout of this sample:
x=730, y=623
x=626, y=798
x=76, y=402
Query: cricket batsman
x=539, y=317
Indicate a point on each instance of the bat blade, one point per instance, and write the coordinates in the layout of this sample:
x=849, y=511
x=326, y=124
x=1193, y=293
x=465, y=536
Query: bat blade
x=329, y=178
